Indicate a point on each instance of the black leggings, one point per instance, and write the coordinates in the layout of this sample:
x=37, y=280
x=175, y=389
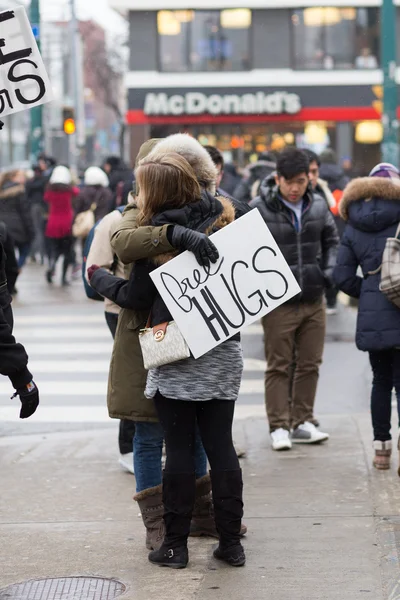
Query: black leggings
x=386, y=371
x=214, y=418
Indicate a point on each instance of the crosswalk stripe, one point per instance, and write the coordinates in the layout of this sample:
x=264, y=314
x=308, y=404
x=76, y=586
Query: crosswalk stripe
x=99, y=387
x=60, y=320
x=73, y=349
x=102, y=366
x=56, y=333
x=69, y=366
x=99, y=414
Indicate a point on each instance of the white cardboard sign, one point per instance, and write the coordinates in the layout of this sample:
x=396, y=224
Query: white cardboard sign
x=249, y=280
x=24, y=82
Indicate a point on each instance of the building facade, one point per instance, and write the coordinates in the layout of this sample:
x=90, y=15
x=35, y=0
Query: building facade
x=256, y=75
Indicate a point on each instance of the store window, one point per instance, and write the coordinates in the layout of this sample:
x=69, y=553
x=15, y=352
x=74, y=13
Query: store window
x=336, y=38
x=201, y=40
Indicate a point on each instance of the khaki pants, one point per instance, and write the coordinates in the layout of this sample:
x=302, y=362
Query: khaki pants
x=288, y=329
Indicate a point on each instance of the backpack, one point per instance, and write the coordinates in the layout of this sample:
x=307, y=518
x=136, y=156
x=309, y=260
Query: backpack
x=390, y=269
x=90, y=292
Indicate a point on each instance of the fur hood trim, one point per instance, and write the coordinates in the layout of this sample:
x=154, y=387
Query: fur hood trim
x=225, y=218
x=12, y=191
x=154, y=491
x=195, y=154
x=365, y=188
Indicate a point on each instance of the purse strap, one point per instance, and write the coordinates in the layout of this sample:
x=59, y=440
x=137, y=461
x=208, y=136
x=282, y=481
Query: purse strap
x=379, y=269
x=159, y=331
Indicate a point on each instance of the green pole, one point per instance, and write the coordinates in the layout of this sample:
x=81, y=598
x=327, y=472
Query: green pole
x=390, y=146
x=36, y=133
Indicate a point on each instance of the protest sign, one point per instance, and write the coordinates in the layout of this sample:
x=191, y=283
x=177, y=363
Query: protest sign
x=23, y=79
x=249, y=280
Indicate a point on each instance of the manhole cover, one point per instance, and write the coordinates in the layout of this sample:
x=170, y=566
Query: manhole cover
x=69, y=588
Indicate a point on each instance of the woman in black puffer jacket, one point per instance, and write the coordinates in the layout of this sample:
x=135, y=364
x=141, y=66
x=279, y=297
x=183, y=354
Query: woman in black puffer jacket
x=371, y=207
x=15, y=212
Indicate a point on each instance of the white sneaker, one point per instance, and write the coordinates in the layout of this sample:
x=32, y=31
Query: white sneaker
x=281, y=439
x=307, y=433
x=126, y=462
x=331, y=311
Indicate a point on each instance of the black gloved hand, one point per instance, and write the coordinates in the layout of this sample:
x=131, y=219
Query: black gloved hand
x=29, y=396
x=198, y=243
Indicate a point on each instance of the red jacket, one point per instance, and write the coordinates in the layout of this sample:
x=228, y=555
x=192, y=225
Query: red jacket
x=61, y=213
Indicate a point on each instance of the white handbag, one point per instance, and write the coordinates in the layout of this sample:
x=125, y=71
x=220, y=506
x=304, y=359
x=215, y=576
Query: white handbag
x=84, y=223
x=162, y=344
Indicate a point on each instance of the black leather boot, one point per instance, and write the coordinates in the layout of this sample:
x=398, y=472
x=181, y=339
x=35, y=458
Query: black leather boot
x=227, y=488
x=178, y=500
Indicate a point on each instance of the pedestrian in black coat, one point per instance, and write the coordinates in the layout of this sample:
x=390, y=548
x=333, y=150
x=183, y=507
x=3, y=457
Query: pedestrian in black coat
x=304, y=230
x=11, y=263
x=15, y=212
x=13, y=358
x=371, y=207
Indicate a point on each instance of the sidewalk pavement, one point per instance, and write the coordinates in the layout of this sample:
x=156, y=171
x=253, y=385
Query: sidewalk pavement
x=323, y=525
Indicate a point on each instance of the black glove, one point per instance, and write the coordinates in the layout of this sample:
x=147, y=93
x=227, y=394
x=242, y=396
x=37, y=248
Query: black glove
x=29, y=396
x=198, y=243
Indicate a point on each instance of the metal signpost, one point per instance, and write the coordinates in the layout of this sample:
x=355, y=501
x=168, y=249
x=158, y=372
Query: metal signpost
x=390, y=145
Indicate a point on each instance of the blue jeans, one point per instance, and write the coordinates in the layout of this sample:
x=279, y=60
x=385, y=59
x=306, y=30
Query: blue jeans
x=147, y=452
x=23, y=250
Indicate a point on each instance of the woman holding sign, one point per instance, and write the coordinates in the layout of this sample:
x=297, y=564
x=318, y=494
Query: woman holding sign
x=189, y=391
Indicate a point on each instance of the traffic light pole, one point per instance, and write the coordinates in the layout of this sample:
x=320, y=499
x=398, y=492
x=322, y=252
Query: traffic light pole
x=73, y=24
x=36, y=132
x=390, y=146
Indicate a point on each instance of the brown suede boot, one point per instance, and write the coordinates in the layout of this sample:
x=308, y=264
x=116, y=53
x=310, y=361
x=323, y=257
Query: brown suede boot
x=203, y=522
x=152, y=509
x=383, y=452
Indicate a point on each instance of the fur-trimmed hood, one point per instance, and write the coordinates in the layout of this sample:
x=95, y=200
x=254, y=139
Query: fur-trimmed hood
x=195, y=154
x=11, y=190
x=366, y=188
x=371, y=203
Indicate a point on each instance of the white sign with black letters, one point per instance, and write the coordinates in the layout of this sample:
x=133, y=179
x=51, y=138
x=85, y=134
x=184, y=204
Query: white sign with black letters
x=23, y=79
x=250, y=279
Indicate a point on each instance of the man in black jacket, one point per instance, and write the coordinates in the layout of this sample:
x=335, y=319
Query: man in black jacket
x=13, y=358
x=304, y=229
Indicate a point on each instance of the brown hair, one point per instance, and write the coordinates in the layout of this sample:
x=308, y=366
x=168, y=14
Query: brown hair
x=166, y=182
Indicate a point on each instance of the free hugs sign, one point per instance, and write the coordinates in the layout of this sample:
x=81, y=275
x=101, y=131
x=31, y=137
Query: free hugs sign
x=250, y=279
x=23, y=79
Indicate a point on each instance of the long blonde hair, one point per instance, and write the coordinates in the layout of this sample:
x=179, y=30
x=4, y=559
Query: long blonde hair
x=166, y=182
x=8, y=176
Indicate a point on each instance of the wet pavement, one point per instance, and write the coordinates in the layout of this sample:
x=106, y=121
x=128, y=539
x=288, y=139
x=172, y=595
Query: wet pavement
x=323, y=525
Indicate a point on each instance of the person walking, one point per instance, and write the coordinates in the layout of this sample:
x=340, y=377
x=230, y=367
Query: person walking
x=59, y=196
x=13, y=357
x=11, y=264
x=102, y=254
x=166, y=180
x=35, y=190
x=304, y=229
x=15, y=212
x=254, y=175
x=95, y=194
x=371, y=208
x=241, y=208
x=121, y=179
x=321, y=188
